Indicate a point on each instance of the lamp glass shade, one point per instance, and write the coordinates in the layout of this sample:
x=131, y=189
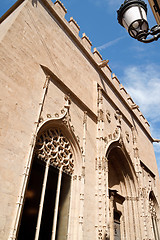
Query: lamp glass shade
x=132, y=15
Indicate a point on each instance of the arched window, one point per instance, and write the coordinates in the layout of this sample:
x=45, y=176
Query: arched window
x=46, y=208
x=153, y=210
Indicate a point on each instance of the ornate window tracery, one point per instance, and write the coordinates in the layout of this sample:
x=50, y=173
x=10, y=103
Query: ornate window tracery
x=46, y=208
x=54, y=147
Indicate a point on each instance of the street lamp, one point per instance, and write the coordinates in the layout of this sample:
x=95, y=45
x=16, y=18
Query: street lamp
x=133, y=16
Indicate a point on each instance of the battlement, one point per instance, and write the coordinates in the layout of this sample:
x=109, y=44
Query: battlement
x=101, y=65
x=74, y=25
x=87, y=43
x=60, y=8
x=104, y=67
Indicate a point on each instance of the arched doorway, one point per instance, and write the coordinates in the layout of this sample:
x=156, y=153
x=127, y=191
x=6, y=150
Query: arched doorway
x=154, y=210
x=122, y=183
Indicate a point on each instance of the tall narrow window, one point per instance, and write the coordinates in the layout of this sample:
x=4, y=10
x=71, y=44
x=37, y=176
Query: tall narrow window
x=46, y=208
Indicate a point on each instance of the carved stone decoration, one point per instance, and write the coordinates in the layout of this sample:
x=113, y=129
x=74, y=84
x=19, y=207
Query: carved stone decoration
x=85, y=117
x=152, y=208
x=118, y=117
x=100, y=234
x=54, y=147
x=100, y=98
x=49, y=115
x=108, y=116
x=136, y=152
x=100, y=115
x=127, y=136
x=134, y=135
x=67, y=98
x=41, y=119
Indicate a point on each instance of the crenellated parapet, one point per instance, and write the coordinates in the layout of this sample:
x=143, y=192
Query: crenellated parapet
x=101, y=63
x=116, y=81
x=87, y=43
x=72, y=28
x=60, y=8
x=97, y=55
x=74, y=25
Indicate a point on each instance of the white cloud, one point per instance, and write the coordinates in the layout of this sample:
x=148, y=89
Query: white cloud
x=143, y=84
x=108, y=44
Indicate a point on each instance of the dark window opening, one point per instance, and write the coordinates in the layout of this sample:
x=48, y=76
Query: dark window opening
x=32, y=199
x=117, y=231
x=29, y=218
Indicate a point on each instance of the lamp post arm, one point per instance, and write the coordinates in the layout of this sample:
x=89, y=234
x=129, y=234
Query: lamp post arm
x=154, y=31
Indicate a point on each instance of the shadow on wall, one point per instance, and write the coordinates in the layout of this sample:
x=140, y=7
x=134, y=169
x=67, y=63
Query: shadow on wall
x=34, y=3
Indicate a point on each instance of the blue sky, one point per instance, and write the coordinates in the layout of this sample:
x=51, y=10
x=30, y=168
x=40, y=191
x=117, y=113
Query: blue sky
x=137, y=65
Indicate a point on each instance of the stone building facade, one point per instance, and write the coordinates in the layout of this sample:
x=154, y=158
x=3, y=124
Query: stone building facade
x=155, y=6
x=77, y=159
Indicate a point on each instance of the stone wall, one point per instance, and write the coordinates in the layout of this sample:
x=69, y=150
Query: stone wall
x=47, y=69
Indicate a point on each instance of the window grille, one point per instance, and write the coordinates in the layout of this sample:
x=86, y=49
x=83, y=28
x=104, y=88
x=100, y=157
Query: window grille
x=46, y=207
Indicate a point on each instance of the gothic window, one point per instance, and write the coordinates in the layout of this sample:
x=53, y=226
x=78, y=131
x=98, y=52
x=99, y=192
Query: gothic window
x=152, y=206
x=46, y=208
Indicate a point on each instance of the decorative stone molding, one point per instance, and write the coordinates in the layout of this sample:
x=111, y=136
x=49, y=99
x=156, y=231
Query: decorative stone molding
x=116, y=137
x=64, y=117
x=112, y=137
